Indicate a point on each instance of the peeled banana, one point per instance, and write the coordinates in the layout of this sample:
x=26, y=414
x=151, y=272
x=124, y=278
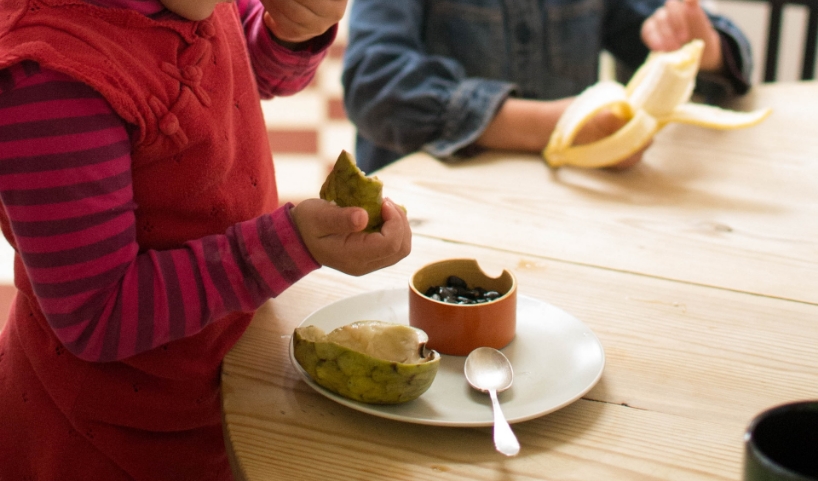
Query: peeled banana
x=658, y=93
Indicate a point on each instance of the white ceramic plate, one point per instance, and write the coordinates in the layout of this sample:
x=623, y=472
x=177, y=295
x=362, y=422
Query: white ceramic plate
x=556, y=359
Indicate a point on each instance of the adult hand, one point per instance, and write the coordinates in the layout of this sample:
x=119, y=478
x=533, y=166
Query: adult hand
x=296, y=21
x=677, y=23
x=335, y=238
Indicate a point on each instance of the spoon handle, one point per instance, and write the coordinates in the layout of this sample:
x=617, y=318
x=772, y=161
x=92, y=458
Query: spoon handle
x=504, y=439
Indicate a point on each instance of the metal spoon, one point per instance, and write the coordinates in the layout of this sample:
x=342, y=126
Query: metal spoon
x=488, y=370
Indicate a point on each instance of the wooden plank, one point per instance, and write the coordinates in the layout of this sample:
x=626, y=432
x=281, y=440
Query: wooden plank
x=586, y=440
x=687, y=367
x=732, y=209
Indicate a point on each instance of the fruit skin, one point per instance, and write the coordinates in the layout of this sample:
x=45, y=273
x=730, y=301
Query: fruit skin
x=348, y=186
x=359, y=376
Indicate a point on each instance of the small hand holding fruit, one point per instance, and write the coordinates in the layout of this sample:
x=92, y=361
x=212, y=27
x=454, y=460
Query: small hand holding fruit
x=352, y=228
x=336, y=238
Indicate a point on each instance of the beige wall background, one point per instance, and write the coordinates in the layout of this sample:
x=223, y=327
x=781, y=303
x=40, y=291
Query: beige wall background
x=752, y=18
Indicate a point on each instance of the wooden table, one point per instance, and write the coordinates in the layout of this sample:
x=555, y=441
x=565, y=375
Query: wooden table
x=697, y=270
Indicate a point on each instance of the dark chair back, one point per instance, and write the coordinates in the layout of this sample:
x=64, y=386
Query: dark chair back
x=774, y=38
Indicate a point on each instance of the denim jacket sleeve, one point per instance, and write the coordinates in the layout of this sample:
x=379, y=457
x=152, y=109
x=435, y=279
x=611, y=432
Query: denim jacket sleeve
x=403, y=99
x=414, y=81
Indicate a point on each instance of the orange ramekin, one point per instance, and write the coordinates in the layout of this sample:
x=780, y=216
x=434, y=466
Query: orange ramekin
x=458, y=329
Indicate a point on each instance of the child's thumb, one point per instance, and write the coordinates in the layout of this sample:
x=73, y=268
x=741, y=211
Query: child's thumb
x=358, y=218
x=344, y=220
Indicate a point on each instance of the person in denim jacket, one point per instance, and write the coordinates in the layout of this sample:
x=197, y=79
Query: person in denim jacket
x=454, y=77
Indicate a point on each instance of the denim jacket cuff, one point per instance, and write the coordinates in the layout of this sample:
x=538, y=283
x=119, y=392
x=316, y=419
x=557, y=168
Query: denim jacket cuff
x=471, y=109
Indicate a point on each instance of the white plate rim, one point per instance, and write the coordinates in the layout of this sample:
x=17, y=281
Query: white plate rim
x=394, y=303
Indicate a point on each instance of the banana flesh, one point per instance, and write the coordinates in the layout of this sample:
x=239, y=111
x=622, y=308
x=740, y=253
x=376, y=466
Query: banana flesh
x=659, y=93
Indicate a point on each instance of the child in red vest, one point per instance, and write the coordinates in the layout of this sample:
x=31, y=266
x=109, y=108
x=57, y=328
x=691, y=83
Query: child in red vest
x=138, y=191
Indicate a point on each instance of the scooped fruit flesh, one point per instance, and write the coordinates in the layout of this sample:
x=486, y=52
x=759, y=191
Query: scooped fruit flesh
x=348, y=186
x=368, y=361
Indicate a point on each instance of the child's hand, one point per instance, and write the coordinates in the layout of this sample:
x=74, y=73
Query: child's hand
x=296, y=21
x=679, y=22
x=335, y=239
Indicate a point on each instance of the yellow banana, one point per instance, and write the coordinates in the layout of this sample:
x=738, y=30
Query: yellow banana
x=658, y=93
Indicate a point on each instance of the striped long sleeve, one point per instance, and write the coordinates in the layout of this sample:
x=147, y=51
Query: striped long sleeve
x=65, y=182
x=279, y=71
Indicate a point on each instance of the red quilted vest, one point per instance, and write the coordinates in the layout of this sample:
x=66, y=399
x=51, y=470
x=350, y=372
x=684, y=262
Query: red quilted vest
x=201, y=162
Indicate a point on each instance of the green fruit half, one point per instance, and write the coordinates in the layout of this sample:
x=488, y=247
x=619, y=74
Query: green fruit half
x=369, y=361
x=348, y=186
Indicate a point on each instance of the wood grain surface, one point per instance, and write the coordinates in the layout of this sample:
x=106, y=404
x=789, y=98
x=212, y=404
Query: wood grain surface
x=697, y=270
x=731, y=209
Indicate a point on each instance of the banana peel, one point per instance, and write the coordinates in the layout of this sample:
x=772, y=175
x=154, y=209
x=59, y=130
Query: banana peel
x=658, y=93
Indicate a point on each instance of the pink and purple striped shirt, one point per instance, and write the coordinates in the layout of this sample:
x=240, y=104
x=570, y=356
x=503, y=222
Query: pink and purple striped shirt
x=65, y=182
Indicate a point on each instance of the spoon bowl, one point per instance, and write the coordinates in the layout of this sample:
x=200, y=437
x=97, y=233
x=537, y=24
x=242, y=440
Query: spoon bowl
x=489, y=370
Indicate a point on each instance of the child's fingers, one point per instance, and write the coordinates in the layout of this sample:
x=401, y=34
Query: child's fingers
x=346, y=220
x=319, y=218
x=357, y=219
x=394, y=220
x=390, y=210
x=395, y=230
